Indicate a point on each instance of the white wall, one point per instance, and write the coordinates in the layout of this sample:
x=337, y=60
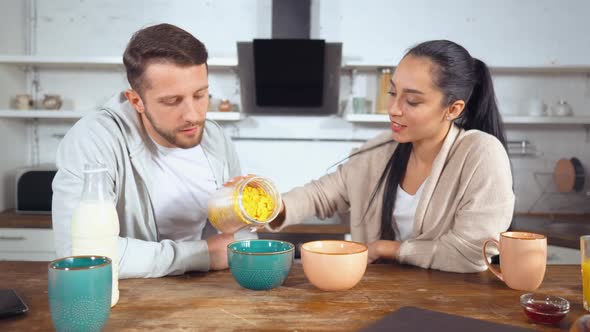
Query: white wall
x=13, y=134
x=104, y=27
x=12, y=41
x=502, y=33
x=13, y=30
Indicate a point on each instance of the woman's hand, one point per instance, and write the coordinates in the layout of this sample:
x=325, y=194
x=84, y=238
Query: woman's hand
x=383, y=249
x=278, y=221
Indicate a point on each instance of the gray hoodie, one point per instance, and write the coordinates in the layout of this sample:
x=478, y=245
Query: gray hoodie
x=114, y=136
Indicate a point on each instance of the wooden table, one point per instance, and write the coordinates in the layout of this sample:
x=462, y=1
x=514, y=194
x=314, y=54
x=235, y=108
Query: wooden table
x=214, y=301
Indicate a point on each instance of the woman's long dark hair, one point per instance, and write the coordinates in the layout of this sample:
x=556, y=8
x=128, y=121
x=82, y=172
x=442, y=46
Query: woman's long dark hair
x=459, y=77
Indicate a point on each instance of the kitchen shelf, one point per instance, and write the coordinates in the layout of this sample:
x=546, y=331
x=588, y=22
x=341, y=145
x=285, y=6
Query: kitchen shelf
x=540, y=69
x=366, y=66
x=367, y=118
x=547, y=120
x=41, y=114
x=221, y=62
x=224, y=116
x=508, y=120
x=549, y=69
x=92, y=62
x=68, y=114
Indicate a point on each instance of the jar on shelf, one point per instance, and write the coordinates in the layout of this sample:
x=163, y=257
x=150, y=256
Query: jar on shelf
x=224, y=106
x=382, y=93
x=250, y=202
x=23, y=102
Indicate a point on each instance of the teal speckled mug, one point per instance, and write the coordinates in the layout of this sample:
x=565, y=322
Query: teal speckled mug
x=80, y=292
x=260, y=264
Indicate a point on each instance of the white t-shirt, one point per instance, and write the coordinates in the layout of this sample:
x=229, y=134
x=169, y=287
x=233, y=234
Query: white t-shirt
x=183, y=181
x=404, y=212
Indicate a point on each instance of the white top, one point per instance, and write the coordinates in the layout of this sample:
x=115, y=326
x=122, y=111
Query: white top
x=183, y=181
x=404, y=212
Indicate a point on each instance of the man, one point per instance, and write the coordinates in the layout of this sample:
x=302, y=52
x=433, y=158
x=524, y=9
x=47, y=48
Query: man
x=163, y=157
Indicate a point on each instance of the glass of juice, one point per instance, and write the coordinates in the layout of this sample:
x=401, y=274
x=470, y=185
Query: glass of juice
x=585, y=251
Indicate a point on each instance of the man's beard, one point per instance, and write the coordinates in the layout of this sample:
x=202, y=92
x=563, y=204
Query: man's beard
x=170, y=135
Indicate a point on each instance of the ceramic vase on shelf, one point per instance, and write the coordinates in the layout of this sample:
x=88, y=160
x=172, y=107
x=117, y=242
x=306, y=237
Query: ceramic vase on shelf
x=52, y=102
x=562, y=108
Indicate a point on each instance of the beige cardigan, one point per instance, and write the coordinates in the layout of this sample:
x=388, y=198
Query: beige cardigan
x=467, y=199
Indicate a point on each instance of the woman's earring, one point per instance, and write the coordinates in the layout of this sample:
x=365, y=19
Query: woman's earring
x=448, y=118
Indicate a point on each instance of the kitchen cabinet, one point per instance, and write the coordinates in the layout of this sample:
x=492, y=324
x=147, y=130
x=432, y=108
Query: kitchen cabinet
x=26, y=244
x=26, y=237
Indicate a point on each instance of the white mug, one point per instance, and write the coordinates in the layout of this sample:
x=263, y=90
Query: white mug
x=536, y=107
x=359, y=105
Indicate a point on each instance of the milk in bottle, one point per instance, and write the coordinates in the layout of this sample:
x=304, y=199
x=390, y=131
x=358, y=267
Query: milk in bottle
x=95, y=224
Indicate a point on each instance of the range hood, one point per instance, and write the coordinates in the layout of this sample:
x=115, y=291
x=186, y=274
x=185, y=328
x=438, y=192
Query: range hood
x=290, y=73
x=291, y=19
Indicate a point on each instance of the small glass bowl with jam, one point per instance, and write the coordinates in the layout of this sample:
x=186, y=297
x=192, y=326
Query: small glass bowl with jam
x=544, y=309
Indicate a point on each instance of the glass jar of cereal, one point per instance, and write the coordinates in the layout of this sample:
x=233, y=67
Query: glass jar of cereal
x=250, y=202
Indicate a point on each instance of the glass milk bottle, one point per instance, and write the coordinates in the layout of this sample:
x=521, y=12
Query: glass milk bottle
x=95, y=224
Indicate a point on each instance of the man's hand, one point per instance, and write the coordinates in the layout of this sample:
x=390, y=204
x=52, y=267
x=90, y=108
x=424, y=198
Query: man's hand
x=383, y=249
x=218, y=250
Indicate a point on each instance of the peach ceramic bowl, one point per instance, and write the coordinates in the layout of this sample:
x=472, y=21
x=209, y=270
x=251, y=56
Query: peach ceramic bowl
x=334, y=265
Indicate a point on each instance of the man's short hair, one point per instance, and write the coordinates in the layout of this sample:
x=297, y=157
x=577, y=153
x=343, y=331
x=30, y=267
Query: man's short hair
x=162, y=43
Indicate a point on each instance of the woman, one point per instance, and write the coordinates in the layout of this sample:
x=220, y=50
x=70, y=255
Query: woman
x=431, y=191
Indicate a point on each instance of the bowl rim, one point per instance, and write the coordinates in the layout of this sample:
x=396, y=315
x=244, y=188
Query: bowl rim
x=533, y=295
x=105, y=261
x=517, y=235
x=291, y=247
x=363, y=249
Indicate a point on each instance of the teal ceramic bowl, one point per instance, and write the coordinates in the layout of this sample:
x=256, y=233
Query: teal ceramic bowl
x=260, y=264
x=80, y=292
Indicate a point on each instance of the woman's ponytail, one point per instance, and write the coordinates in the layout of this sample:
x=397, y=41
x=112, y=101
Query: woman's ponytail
x=481, y=111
